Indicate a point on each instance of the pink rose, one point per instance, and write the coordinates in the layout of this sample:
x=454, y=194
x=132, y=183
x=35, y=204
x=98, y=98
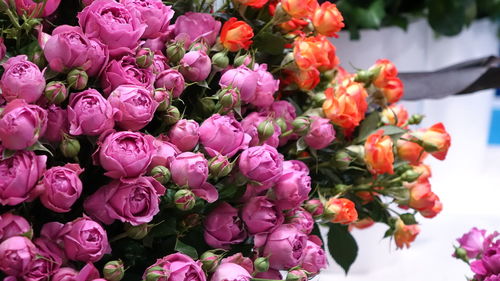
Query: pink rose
x=134, y=106
x=19, y=175
x=195, y=66
x=153, y=13
x=285, y=247
x=295, y=165
x=473, y=242
x=242, y=78
x=129, y=200
x=113, y=24
x=57, y=123
x=250, y=124
x=98, y=56
x=179, y=267
x=164, y=154
x=261, y=215
x=172, y=81
x=302, y=220
x=160, y=62
x=61, y=187
x=125, y=71
x=67, y=48
x=314, y=258
x=16, y=255
x=321, y=133
x=43, y=265
x=84, y=240
x=223, y=134
x=240, y=260
x=157, y=44
x=21, y=124
x=266, y=87
x=271, y=274
x=124, y=154
x=89, y=113
x=13, y=225
x=184, y=134
x=223, y=227
x=230, y=272
x=197, y=27
x=29, y=6
x=262, y=164
x=292, y=188
x=3, y=49
x=64, y=274
x=88, y=273
x=21, y=79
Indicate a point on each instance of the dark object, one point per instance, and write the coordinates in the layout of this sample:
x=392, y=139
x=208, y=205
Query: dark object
x=463, y=78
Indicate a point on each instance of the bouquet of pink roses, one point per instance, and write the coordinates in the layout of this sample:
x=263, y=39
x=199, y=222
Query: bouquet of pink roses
x=142, y=140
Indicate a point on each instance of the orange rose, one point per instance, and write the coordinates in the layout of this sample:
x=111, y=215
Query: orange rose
x=327, y=20
x=306, y=80
x=299, y=8
x=386, y=70
x=293, y=25
x=253, y=3
x=236, y=35
x=405, y=234
x=366, y=196
x=346, y=106
x=410, y=151
x=379, y=157
x=424, y=171
x=435, y=140
x=362, y=223
x=395, y=114
x=314, y=52
x=434, y=210
x=342, y=210
x=420, y=195
x=393, y=90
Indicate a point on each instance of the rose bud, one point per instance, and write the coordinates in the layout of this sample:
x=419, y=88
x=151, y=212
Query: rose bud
x=410, y=151
x=156, y=273
x=236, y=35
x=379, y=157
x=261, y=215
x=435, y=140
x=302, y=220
x=184, y=200
x=161, y=174
x=261, y=264
x=301, y=125
x=415, y=119
x=77, y=79
x=229, y=98
x=321, y=133
x=266, y=87
x=70, y=147
x=410, y=176
x=231, y=272
x=251, y=123
x=144, y=58
x=64, y=274
x=154, y=14
x=220, y=61
x=242, y=78
x=223, y=227
x=3, y=49
x=177, y=267
x=162, y=97
x=184, y=134
x=113, y=270
x=137, y=232
x=14, y=225
x=262, y=164
x=21, y=79
x=89, y=113
x=172, y=81
x=171, y=116
x=395, y=114
x=315, y=207
x=296, y=275
x=61, y=187
x=175, y=53
x=404, y=234
x=137, y=147
x=292, y=188
x=222, y=134
x=340, y=210
x=219, y=166
x=195, y=66
x=134, y=106
x=56, y=92
x=57, y=124
x=84, y=240
x=21, y=124
x=210, y=260
x=265, y=130
x=285, y=246
x=16, y=255
x=314, y=258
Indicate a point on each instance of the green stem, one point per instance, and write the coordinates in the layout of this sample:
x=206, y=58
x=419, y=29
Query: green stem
x=13, y=19
x=209, y=80
x=268, y=24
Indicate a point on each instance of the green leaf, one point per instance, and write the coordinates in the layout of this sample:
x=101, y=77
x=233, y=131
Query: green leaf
x=364, y=17
x=389, y=232
x=186, y=249
x=166, y=228
x=448, y=17
x=271, y=43
x=368, y=125
x=408, y=219
x=390, y=130
x=38, y=146
x=343, y=247
x=7, y=153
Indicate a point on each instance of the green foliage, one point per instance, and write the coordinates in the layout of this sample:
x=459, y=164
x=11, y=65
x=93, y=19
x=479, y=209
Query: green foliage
x=342, y=246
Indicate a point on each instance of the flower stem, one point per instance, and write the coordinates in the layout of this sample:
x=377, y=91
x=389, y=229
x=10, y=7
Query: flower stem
x=268, y=24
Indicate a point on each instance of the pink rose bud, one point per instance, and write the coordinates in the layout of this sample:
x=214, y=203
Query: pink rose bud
x=70, y=147
x=137, y=232
x=184, y=134
x=223, y=227
x=301, y=125
x=160, y=62
x=184, y=199
x=189, y=169
x=261, y=264
x=16, y=255
x=262, y=164
x=57, y=124
x=229, y=98
x=21, y=124
x=113, y=270
x=175, y=53
x=171, y=116
x=161, y=174
x=251, y=125
x=77, y=79
x=134, y=106
x=220, y=61
x=29, y=7
x=14, y=225
x=21, y=79
x=124, y=154
x=99, y=21
x=144, y=58
x=321, y=133
x=285, y=246
x=285, y=111
x=172, y=81
x=89, y=113
x=84, y=240
x=265, y=130
x=296, y=275
x=153, y=13
x=67, y=48
x=163, y=154
x=195, y=66
x=125, y=71
x=315, y=207
x=261, y=215
x=175, y=267
x=61, y=187
x=231, y=272
x=98, y=56
x=314, y=258
x=223, y=134
x=21, y=172
x=302, y=220
x=3, y=49
x=242, y=78
x=292, y=188
x=266, y=87
x=162, y=97
x=219, y=166
x=64, y=274
x=192, y=27
x=56, y=92
x=210, y=261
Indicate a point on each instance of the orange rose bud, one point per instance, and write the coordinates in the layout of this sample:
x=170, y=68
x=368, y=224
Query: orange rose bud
x=306, y=80
x=299, y=8
x=436, y=140
x=314, y=52
x=393, y=90
x=424, y=171
x=379, y=157
x=405, y=234
x=395, y=114
x=342, y=210
x=366, y=196
x=434, y=210
x=236, y=35
x=386, y=70
x=410, y=151
x=346, y=106
x=327, y=20
x=253, y=3
x=420, y=195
